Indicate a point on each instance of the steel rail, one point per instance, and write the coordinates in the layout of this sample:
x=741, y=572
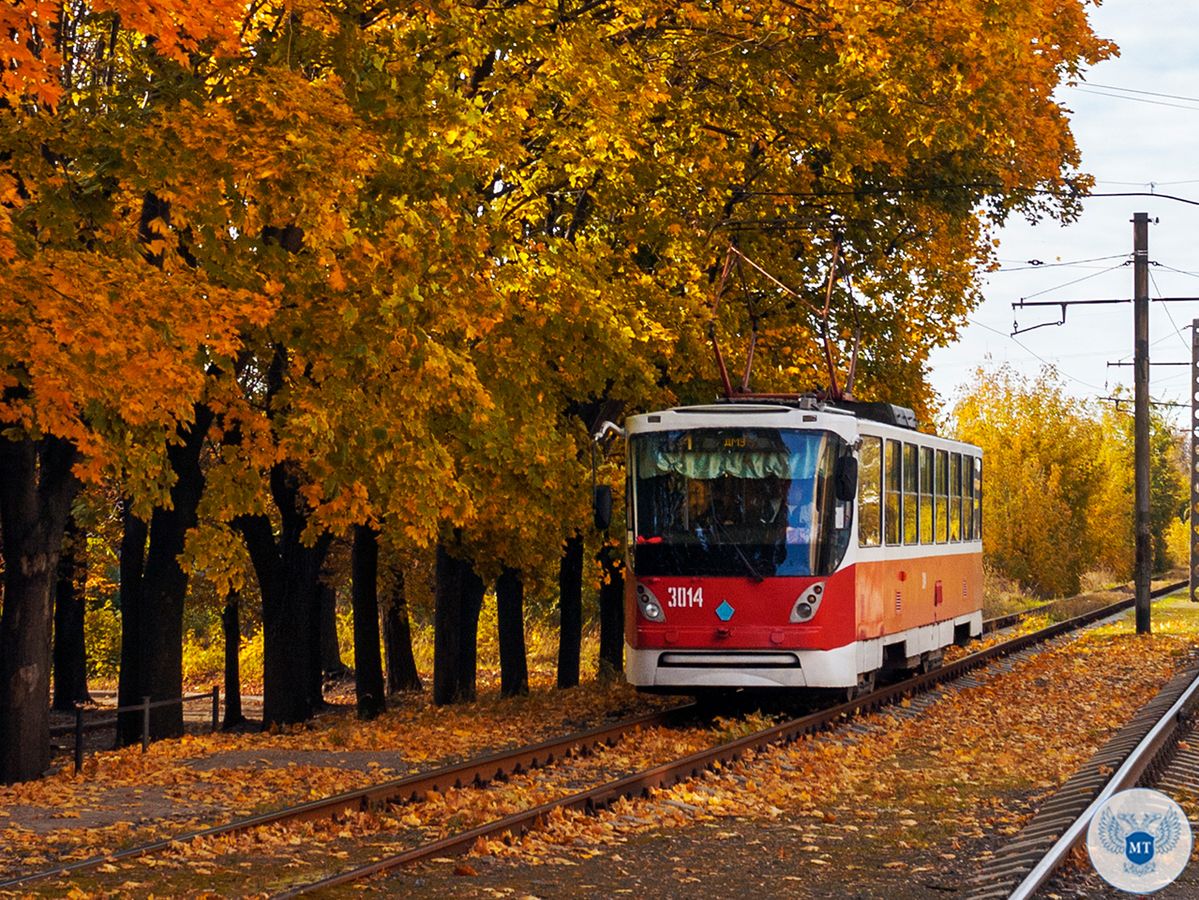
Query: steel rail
x=668, y=774
x=1009, y=619
x=1141, y=757
x=412, y=787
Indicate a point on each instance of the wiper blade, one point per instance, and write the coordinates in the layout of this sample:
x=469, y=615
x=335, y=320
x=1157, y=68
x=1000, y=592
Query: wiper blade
x=717, y=529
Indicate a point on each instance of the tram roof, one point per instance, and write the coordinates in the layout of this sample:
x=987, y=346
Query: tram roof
x=886, y=413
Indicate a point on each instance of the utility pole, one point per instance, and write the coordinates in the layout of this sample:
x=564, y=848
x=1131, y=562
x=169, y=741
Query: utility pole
x=1140, y=303
x=1193, y=517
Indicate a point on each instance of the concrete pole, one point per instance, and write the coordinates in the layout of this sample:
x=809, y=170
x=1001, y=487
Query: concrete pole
x=1194, y=515
x=1144, y=549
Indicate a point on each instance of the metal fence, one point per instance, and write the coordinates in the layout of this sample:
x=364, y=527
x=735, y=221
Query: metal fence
x=144, y=707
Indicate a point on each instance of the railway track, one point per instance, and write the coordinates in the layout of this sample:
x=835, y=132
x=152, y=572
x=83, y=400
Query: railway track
x=482, y=771
x=1145, y=752
x=666, y=775
x=477, y=771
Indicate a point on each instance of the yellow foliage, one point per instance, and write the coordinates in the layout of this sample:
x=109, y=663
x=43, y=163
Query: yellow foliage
x=1058, y=481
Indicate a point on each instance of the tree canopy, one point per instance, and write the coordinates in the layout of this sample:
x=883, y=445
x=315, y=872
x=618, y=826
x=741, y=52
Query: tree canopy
x=376, y=257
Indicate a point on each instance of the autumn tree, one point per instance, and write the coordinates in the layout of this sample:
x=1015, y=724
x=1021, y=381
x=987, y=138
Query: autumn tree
x=1041, y=452
x=1059, y=480
x=584, y=171
x=1168, y=488
x=98, y=350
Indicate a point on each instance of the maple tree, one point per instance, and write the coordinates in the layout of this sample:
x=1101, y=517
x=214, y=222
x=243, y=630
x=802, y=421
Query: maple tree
x=364, y=263
x=98, y=350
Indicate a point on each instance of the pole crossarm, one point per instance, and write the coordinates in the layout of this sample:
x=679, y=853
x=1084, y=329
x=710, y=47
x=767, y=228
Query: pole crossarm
x=1063, y=304
x=1165, y=403
x=1125, y=362
x=1023, y=304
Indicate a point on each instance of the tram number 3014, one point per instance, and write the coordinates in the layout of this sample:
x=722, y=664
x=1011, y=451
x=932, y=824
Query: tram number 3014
x=685, y=597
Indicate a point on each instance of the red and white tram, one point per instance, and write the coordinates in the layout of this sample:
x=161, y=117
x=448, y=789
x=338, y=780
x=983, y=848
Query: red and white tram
x=795, y=544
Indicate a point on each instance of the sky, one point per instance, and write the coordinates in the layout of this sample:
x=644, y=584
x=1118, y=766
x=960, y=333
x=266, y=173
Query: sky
x=1132, y=140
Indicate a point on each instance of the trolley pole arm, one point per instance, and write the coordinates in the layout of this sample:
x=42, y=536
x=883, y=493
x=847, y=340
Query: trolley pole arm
x=606, y=428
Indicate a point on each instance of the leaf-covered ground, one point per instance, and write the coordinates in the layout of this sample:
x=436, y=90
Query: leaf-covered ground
x=888, y=803
x=127, y=797
x=895, y=807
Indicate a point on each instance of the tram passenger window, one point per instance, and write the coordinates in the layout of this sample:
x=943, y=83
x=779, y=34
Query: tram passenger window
x=926, y=495
x=870, y=492
x=894, y=495
x=978, y=499
x=911, y=495
x=955, y=496
x=942, y=512
x=967, y=499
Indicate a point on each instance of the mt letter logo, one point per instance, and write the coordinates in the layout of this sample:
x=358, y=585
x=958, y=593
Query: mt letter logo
x=1139, y=840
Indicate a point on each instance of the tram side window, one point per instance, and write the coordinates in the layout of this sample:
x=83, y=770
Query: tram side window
x=911, y=495
x=955, y=496
x=967, y=498
x=870, y=492
x=892, y=525
x=927, y=535
x=978, y=499
x=942, y=512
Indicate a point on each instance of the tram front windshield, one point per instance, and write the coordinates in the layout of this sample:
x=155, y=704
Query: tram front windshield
x=752, y=502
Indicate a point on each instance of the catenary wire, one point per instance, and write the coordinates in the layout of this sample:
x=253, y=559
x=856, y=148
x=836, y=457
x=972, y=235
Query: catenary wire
x=1075, y=281
x=1169, y=315
x=1028, y=349
x=1075, y=263
x=1112, y=87
x=1144, y=100
x=1178, y=271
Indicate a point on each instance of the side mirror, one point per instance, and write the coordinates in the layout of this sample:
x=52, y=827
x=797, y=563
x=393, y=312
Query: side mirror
x=601, y=500
x=845, y=478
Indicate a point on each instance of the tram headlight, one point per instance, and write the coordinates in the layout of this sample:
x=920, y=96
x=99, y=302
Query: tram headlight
x=649, y=605
x=808, y=603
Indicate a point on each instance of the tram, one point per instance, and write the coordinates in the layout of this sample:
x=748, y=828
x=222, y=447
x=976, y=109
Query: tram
x=796, y=544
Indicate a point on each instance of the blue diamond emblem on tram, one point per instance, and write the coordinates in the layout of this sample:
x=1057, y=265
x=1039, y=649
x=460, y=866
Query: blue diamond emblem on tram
x=725, y=610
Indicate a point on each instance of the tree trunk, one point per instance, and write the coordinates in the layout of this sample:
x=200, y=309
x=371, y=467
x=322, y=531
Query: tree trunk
x=611, y=614
x=36, y=490
x=70, y=651
x=473, y=590
x=231, y=625
x=288, y=575
x=368, y=667
x=570, y=607
x=311, y=597
x=289, y=578
x=133, y=560
x=331, y=664
x=447, y=628
x=514, y=665
x=163, y=587
x=397, y=639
